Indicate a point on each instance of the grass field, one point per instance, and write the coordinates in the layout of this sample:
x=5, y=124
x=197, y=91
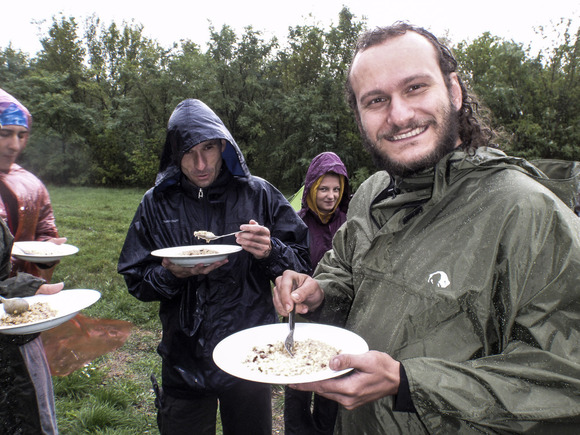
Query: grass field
x=112, y=394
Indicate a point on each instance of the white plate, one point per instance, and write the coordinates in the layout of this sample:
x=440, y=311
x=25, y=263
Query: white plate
x=67, y=304
x=42, y=252
x=179, y=256
x=230, y=353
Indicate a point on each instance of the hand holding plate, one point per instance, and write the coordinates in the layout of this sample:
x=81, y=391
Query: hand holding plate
x=375, y=375
x=187, y=271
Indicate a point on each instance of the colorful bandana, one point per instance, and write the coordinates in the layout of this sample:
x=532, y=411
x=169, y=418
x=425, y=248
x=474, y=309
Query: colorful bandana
x=12, y=112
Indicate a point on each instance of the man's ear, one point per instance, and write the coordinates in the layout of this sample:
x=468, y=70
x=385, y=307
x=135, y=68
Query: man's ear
x=455, y=91
x=224, y=143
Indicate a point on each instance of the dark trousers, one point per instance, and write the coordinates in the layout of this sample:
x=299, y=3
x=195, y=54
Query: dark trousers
x=244, y=409
x=302, y=417
x=26, y=394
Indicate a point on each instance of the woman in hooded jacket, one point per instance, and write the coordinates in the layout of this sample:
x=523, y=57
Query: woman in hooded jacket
x=324, y=202
x=324, y=205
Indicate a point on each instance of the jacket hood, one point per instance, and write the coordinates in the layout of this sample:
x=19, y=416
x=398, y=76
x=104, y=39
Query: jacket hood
x=561, y=177
x=191, y=123
x=320, y=165
x=430, y=185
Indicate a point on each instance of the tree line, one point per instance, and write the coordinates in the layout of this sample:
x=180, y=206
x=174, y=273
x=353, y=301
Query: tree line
x=101, y=95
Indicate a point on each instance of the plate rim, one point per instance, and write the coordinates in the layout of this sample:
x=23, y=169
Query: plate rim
x=43, y=325
x=276, y=379
x=193, y=260
x=231, y=249
x=46, y=258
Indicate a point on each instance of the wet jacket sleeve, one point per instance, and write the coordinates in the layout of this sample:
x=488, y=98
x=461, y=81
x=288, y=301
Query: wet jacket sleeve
x=21, y=285
x=289, y=236
x=334, y=270
x=146, y=279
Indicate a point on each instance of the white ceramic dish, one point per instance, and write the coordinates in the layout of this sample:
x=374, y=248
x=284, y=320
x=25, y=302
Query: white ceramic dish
x=179, y=255
x=42, y=252
x=67, y=303
x=230, y=353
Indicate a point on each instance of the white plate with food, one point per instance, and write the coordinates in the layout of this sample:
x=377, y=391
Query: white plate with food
x=47, y=311
x=258, y=354
x=195, y=254
x=42, y=252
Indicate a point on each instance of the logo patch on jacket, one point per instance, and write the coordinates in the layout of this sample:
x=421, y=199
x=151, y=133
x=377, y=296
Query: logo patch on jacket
x=439, y=279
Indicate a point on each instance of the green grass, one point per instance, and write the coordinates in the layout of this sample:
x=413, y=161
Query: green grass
x=111, y=395
x=96, y=221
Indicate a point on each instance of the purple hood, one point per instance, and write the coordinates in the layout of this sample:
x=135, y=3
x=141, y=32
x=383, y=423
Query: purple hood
x=320, y=165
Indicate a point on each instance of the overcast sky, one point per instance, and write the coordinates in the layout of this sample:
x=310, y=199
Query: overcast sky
x=169, y=21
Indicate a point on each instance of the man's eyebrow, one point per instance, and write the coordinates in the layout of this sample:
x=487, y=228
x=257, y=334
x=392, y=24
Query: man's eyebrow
x=371, y=93
x=415, y=77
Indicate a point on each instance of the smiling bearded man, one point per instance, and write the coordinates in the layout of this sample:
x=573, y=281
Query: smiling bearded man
x=449, y=127
x=408, y=110
x=459, y=265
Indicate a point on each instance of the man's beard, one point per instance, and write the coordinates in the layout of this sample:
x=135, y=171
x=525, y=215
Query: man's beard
x=446, y=143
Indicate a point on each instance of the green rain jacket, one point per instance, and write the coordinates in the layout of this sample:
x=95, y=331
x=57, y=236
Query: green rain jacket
x=469, y=274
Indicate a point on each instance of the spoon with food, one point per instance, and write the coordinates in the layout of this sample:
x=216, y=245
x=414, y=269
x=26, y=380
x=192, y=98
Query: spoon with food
x=14, y=305
x=208, y=236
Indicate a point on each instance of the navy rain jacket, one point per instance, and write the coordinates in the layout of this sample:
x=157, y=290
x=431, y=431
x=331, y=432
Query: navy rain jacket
x=197, y=312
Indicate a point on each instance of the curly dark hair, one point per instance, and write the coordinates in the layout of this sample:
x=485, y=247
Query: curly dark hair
x=473, y=132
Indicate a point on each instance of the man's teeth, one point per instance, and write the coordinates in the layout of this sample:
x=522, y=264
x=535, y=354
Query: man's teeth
x=409, y=134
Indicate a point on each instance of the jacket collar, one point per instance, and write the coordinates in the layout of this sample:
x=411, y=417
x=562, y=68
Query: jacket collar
x=213, y=191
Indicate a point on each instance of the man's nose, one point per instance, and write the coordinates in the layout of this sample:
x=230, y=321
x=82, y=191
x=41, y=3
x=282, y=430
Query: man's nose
x=199, y=162
x=400, y=112
x=13, y=142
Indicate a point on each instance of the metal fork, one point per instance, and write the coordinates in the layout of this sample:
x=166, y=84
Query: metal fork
x=289, y=343
x=214, y=237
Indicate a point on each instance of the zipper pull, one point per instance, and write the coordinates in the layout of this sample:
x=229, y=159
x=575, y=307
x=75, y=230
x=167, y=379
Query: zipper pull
x=200, y=193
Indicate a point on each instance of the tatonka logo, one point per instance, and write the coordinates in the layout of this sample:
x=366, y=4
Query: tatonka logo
x=440, y=279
